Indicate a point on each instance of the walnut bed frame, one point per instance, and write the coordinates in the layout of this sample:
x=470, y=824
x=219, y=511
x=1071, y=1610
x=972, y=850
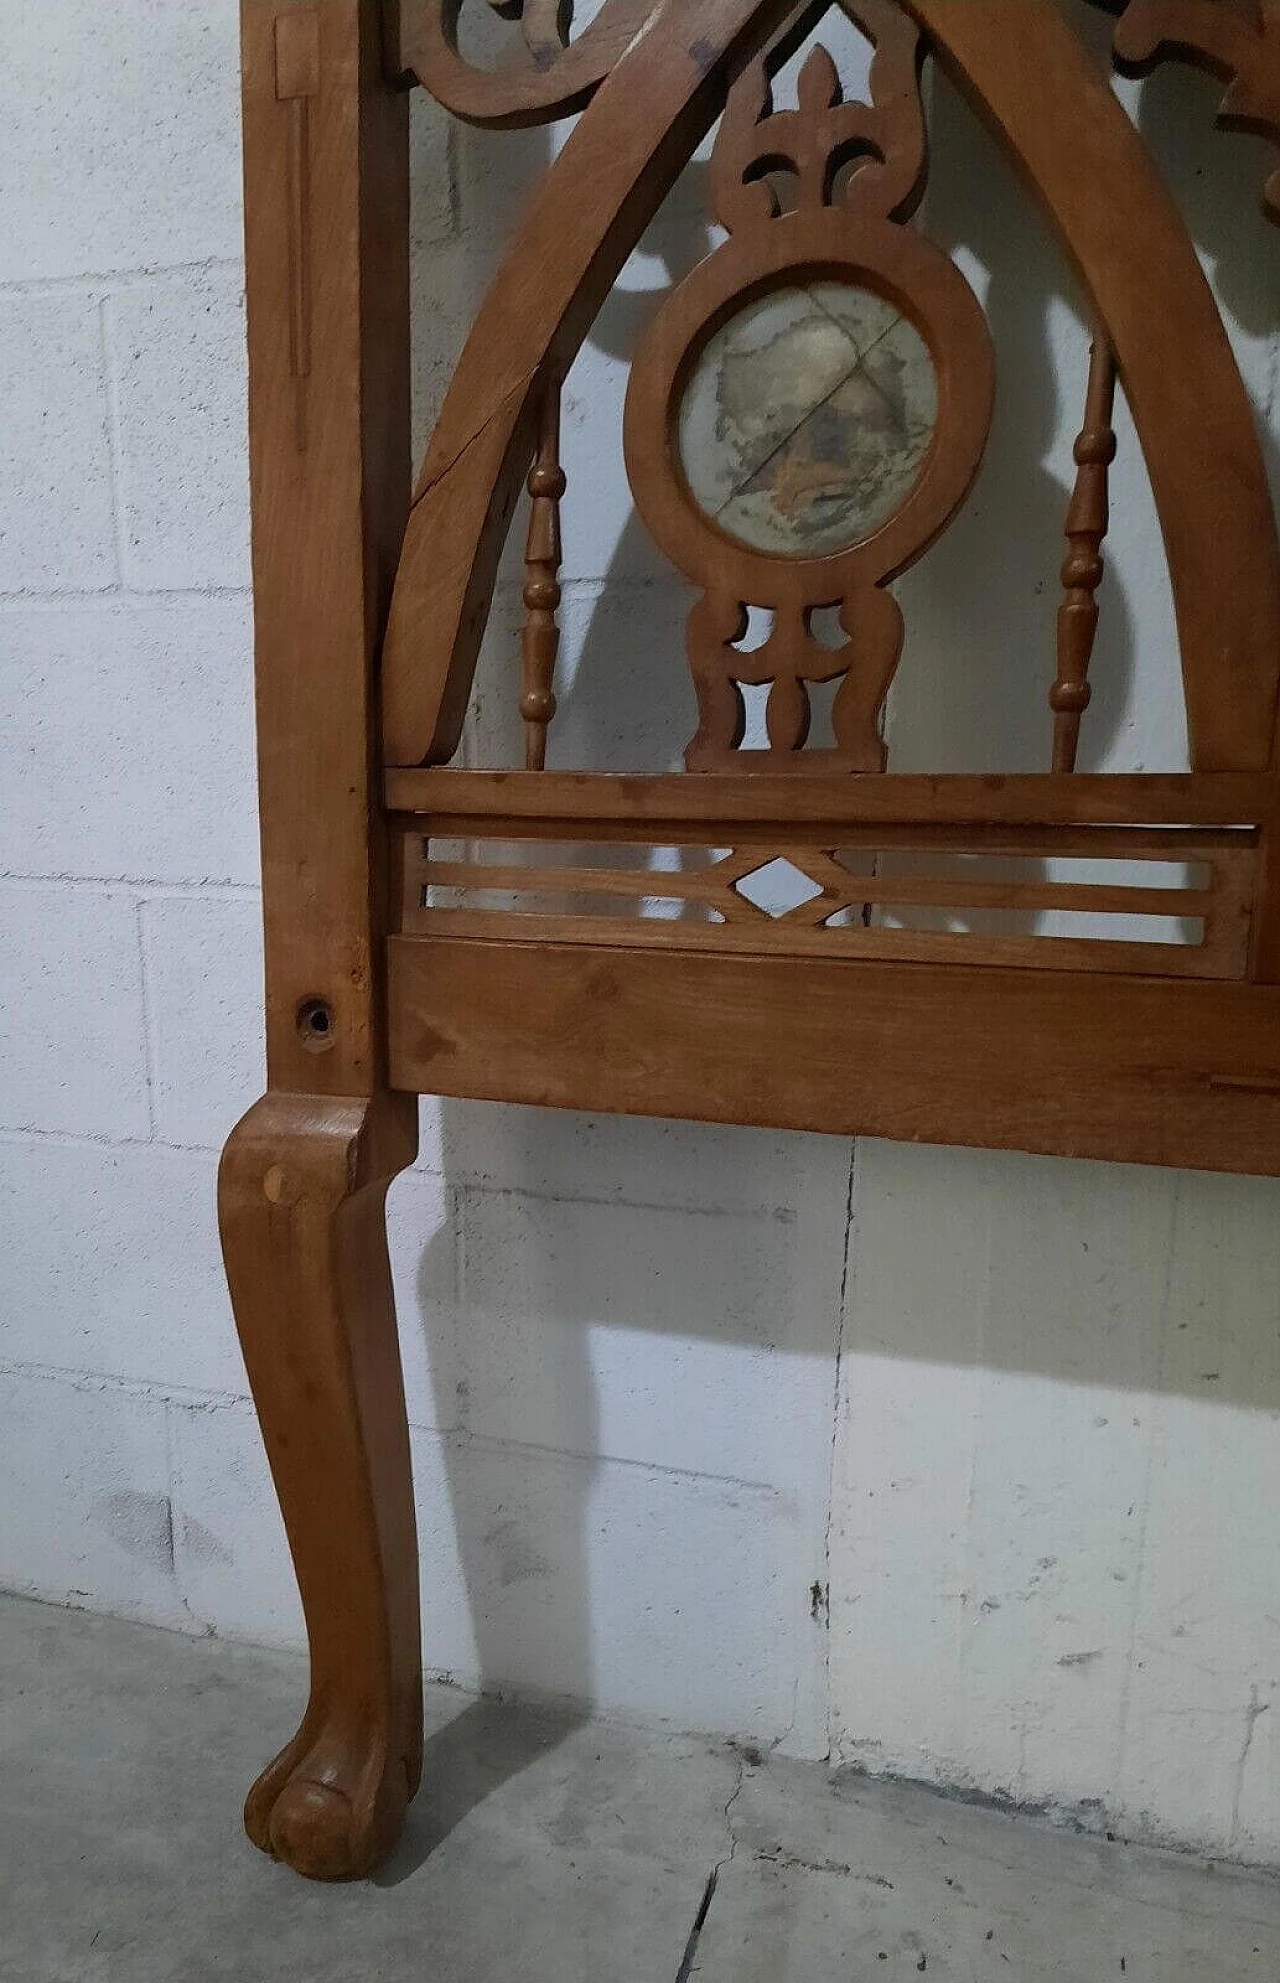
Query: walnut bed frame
x=387, y=978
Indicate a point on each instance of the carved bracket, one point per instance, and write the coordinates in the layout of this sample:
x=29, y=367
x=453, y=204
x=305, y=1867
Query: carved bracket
x=1239, y=43
x=556, y=76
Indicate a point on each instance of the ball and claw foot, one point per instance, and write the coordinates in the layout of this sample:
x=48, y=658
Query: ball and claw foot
x=331, y=1808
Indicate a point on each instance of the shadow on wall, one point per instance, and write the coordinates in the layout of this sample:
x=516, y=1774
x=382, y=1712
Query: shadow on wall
x=496, y=1547
x=1131, y=1263
x=972, y=690
x=1217, y=181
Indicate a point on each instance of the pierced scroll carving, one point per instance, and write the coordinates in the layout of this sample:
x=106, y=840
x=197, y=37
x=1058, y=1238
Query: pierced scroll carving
x=558, y=74
x=810, y=406
x=1239, y=42
x=789, y=660
x=1087, y=518
x=540, y=639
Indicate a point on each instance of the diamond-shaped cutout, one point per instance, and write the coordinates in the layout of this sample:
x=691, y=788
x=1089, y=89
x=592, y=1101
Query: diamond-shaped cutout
x=777, y=887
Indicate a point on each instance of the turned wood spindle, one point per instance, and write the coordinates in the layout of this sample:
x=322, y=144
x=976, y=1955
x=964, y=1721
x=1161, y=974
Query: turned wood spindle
x=540, y=640
x=1082, y=568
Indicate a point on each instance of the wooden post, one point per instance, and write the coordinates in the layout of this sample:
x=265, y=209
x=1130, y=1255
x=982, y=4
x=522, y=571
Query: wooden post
x=304, y=1176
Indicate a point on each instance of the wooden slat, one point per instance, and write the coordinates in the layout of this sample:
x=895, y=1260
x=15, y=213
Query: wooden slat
x=1093, y=843
x=692, y=885
x=929, y=891
x=1083, y=897
x=555, y=805
x=1142, y=1069
x=763, y=937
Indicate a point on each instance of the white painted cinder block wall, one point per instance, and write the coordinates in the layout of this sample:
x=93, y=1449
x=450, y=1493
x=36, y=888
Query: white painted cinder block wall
x=668, y=1383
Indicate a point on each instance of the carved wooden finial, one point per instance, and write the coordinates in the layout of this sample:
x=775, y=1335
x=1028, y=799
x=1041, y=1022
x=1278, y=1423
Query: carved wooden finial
x=540, y=640
x=1087, y=516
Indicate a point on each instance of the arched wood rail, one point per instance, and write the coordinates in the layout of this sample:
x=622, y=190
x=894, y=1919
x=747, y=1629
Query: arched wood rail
x=1029, y=76
x=629, y=146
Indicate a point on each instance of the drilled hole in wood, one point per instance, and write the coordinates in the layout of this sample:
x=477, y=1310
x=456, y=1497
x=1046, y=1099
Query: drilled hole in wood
x=315, y=1024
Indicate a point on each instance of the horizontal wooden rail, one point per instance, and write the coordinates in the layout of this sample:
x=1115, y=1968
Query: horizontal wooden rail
x=938, y=1053
x=766, y=937
x=1031, y=843
x=555, y=805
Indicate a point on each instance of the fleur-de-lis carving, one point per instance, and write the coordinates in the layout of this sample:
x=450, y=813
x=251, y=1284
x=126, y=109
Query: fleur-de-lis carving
x=871, y=156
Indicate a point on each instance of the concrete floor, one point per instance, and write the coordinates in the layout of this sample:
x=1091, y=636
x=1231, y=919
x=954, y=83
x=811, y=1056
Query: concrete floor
x=542, y=1850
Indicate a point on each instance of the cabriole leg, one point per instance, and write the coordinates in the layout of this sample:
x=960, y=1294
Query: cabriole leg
x=301, y=1197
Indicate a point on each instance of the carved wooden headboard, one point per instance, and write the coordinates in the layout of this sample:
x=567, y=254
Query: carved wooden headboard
x=788, y=931
x=814, y=489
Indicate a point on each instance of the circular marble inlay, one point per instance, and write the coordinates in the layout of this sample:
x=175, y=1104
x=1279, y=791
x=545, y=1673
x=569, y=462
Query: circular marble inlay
x=806, y=418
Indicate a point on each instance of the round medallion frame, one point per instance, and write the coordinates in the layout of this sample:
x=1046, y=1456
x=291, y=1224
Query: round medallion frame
x=797, y=248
